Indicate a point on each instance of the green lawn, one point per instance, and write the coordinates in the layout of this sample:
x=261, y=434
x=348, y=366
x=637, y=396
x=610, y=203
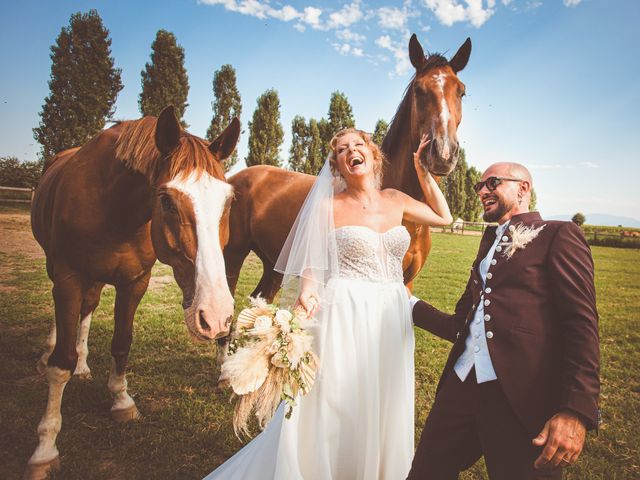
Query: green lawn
x=186, y=430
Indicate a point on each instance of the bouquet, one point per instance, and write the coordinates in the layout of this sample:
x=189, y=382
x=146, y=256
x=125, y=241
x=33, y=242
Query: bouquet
x=270, y=359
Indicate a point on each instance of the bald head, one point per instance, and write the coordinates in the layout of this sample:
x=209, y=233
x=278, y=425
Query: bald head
x=510, y=197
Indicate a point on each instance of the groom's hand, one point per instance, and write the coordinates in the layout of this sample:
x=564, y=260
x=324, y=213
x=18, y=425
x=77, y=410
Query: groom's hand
x=563, y=437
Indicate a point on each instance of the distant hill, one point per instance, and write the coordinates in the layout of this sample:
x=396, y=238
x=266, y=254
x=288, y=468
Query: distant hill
x=602, y=219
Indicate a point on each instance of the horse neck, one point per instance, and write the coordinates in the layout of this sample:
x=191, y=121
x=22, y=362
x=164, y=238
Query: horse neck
x=398, y=148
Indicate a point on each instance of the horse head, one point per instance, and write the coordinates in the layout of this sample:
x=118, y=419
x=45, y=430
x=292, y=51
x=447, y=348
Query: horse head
x=190, y=221
x=437, y=104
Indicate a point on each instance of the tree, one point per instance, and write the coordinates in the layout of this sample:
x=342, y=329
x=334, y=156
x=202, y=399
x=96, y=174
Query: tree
x=227, y=104
x=472, y=205
x=265, y=131
x=299, y=144
x=84, y=86
x=534, y=200
x=453, y=187
x=315, y=159
x=325, y=137
x=14, y=173
x=380, y=131
x=579, y=219
x=164, y=79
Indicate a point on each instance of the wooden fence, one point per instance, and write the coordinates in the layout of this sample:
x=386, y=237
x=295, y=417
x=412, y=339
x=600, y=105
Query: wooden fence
x=16, y=194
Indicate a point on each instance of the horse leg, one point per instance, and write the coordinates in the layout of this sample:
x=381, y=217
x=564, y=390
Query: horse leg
x=127, y=299
x=269, y=282
x=233, y=260
x=67, y=296
x=89, y=303
x=50, y=344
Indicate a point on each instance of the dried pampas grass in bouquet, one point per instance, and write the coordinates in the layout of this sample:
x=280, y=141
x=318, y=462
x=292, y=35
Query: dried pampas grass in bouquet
x=270, y=360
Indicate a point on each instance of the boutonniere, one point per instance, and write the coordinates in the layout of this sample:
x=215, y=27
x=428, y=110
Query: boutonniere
x=520, y=238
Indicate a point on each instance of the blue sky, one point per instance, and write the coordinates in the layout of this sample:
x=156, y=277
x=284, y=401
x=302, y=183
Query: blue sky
x=552, y=84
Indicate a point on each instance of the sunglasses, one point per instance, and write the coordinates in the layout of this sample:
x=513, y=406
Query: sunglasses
x=493, y=182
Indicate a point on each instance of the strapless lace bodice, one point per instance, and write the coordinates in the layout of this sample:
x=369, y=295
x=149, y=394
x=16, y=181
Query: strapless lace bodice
x=366, y=254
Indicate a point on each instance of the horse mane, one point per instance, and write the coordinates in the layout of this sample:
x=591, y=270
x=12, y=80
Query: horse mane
x=393, y=136
x=136, y=148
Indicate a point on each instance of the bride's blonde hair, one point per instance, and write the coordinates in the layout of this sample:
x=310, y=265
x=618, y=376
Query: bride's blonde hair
x=379, y=160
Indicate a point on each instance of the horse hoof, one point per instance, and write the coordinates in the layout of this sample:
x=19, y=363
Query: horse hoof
x=41, y=471
x=126, y=415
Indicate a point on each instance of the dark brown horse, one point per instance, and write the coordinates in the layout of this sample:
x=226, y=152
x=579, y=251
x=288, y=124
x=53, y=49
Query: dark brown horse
x=102, y=213
x=268, y=199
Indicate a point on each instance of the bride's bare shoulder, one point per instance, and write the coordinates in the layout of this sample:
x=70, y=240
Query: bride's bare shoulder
x=393, y=195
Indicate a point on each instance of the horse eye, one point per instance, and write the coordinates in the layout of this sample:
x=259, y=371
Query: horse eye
x=167, y=204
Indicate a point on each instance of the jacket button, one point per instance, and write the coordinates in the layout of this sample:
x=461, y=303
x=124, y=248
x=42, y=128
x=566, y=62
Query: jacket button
x=487, y=290
x=505, y=238
x=489, y=276
x=489, y=334
x=487, y=317
x=498, y=248
x=487, y=302
x=493, y=261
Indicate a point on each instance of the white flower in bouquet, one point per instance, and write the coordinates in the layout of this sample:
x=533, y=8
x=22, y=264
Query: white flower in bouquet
x=283, y=319
x=262, y=322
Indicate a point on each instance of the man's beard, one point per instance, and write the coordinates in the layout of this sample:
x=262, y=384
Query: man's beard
x=501, y=210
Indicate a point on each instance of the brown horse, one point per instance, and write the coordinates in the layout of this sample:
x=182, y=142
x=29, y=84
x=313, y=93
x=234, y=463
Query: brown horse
x=102, y=213
x=267, y=199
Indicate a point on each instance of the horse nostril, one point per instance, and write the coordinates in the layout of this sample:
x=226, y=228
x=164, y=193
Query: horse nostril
x=203, y=323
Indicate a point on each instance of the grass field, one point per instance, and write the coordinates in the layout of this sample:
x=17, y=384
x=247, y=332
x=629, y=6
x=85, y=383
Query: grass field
x=186, y=430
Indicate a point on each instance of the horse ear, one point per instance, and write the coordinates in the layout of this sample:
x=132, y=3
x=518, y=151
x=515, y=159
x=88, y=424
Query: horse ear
x=416, y=53
x=460, y=59
x=167, y=130
x=225, y=144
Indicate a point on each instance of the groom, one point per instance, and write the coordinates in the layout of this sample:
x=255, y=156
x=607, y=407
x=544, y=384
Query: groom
x=521, y=383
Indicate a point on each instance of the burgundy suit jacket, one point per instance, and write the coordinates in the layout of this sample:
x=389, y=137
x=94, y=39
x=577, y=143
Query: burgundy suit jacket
x=544, y=344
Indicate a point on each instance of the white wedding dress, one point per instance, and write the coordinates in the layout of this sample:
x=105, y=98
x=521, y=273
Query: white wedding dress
x=357, y=423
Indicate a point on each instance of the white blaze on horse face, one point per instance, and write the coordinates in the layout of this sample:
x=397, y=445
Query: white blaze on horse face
x=444, y=113
x=212, y=297
x=51, y=422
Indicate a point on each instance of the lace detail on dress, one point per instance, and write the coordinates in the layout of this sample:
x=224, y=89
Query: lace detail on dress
x=366, y=254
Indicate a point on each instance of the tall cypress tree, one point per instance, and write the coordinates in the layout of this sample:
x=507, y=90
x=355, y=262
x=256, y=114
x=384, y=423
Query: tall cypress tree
x=472, y=204
x=164, y=79
x=84, y=85
x=453, y=187
x=340, y=113
x=265, y=131
x=315, y=158
x=299, y=142
x=380, y=131
x=227, y=104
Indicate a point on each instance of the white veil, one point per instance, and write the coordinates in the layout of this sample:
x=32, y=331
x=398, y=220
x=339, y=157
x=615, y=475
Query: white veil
x=310, y=253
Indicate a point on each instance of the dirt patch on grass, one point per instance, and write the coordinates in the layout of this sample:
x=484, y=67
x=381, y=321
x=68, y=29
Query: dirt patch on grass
x=16, y=237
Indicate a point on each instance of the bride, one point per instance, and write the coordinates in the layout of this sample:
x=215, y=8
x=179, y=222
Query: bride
x=342, y=262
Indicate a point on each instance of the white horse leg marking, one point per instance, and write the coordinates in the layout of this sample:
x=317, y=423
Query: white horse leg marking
x=51, y=422
x=123, y=408
x=49, y=346
x=82, y=347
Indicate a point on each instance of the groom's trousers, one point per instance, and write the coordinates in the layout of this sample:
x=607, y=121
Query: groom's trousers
x=469, y=420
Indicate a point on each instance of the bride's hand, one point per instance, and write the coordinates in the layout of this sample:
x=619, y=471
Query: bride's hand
x=309, y=302
x=424, y=141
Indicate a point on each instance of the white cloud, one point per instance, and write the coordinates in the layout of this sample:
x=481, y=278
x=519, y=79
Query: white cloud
x=311, y=16
x=571, y=3
x=350, y=36
x=349, y=15
x=299, y=27
x=261, y=10
x=358, y=52
x=392, y=18
x=590, y=165
x=449, y=12
x=399, y=51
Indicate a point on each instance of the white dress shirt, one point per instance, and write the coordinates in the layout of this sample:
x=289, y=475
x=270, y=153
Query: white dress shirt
x=476, y=352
